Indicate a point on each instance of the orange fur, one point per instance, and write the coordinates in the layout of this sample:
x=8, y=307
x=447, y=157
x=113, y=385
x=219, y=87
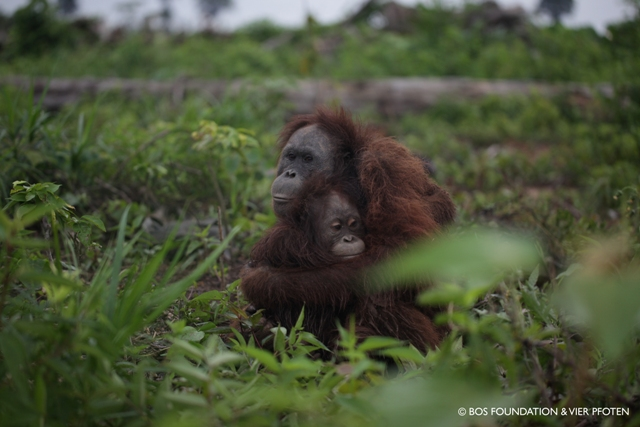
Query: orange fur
x=401, y=203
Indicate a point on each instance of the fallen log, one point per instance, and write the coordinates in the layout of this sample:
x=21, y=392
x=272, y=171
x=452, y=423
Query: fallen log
x=389, y=96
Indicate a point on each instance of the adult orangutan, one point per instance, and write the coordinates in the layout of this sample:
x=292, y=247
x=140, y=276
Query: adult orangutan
x=387, y=174
x=398, y=202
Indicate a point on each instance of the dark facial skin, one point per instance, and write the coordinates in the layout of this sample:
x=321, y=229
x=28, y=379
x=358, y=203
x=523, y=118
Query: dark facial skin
x=338, y=226
x=308, y=151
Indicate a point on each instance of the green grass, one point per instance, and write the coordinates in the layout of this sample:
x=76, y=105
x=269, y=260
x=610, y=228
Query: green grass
x=100, y=328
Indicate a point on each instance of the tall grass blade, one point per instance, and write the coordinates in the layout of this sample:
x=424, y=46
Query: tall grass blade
x=112, y=290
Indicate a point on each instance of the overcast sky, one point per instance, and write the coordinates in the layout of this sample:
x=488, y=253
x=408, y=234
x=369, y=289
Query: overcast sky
x=596, y=13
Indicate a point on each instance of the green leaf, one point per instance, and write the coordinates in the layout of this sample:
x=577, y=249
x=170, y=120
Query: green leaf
x=40, y=394
x=300, y=364
x=83, y=232
x=364, y=366
x=435, y=400
x=311, y=339
x=95, y=221
x=264, y=357
x=376, y=343
x=183, y=347
x=445, y=293
x=533, y=277
x=355, y=405
x=190, y=333
x=239, y=337
x=187, y=370
x=186, y=399
x=110, y=303
x=476, y=256
x=223, y=358
x=279, y=334
x=605, y=305
x=300, y=321
x=50, y=187
x=573, y=268
x=404, y=353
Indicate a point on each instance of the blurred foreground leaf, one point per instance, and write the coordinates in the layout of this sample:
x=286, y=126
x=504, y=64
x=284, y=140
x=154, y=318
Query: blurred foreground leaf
x=477, y=257
x=604, y=300
x=436, y=400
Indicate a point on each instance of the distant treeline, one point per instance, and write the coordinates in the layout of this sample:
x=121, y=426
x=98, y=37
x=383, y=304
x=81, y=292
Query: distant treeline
x=380, y=40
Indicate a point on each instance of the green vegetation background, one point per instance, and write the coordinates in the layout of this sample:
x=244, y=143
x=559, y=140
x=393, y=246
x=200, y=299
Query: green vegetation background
x=439, y=42
x=100, y=324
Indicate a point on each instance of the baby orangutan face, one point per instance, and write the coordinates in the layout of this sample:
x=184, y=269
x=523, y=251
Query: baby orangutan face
x=338, y=226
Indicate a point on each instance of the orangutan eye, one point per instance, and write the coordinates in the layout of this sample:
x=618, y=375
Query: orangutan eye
x=307, y=159
x=353, y=223
x=336, y=226
x=290, y=156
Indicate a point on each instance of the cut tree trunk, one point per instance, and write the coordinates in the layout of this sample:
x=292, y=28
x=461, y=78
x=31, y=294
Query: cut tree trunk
x=389, y=96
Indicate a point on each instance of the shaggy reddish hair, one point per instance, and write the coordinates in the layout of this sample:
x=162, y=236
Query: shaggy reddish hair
x=400, y=199
x=399, y=203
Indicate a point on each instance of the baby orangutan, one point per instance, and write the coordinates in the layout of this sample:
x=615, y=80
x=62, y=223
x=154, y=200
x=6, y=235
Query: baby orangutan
x=316, y=257
x=322, y=232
